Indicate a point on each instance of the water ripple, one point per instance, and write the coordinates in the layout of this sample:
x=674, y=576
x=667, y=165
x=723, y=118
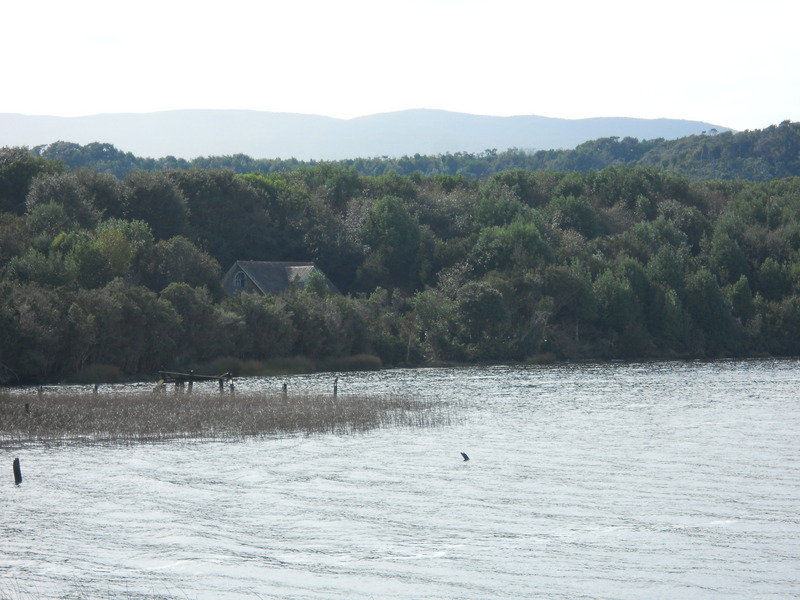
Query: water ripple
x=622, y=481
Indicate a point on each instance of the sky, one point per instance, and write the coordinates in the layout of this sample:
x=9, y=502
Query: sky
x=732, y=63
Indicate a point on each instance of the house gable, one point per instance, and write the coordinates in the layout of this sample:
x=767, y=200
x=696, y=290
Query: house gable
x=263, y=277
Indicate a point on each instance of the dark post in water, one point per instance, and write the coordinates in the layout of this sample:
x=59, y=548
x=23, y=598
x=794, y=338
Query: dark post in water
x=17, y=472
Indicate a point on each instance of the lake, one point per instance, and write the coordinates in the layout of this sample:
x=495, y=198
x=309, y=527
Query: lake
x=613, y=481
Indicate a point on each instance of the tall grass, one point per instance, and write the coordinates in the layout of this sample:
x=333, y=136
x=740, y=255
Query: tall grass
x=146, y=416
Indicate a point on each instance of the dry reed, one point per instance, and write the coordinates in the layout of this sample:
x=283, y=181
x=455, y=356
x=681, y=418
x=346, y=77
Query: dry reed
x=144, y=416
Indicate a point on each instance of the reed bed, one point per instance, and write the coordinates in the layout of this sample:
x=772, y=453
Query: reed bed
x=146, y=416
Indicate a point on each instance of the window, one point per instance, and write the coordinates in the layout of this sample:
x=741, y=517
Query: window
x=240, y=281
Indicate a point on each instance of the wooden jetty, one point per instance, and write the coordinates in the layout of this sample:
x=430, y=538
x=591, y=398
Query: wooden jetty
x=182, y=379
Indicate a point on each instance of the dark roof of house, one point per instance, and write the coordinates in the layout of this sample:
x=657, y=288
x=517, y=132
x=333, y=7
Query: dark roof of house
x=275, y=277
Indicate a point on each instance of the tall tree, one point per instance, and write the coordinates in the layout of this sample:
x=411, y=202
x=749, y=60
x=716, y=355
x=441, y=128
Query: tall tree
x=394, y=236
x=67, y=190
x=158, y=201
x=18, y=168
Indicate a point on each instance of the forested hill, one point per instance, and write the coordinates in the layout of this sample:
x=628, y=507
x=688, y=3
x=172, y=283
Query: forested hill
x=758, y=155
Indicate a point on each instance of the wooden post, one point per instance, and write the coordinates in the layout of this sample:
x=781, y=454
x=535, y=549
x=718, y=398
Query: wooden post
x=335, y=386
x=17, y=472
x=191, y=380
x=27, y=408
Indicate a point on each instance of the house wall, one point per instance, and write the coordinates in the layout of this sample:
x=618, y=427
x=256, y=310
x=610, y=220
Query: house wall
x=229, y=283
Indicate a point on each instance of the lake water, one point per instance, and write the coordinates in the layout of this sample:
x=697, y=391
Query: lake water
x=614, y=481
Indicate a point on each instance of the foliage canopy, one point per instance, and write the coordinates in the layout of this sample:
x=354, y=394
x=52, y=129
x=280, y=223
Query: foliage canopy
x=119, y=265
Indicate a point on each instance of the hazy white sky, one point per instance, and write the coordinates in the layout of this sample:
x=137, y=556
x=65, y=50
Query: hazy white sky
x=734, y=63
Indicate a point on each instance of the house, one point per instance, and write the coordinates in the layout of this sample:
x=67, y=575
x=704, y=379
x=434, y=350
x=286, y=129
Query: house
x=262, y=277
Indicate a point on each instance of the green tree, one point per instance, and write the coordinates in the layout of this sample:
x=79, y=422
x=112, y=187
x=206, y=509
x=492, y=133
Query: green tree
x=773, y=280
x=203, y=330
x=15, y=237
x=394, y=237
x=783, y=325
x=266, y=328
x=726, y=258
x=525, y=185
x=710, y=314
x=328, y=326
x=177, y=260
x=646, y=238
x=617, y=305
x=384, y=320
x=154, y=198
x=499, y=206
x=93, y=267
x=674, y=323
x=570, y=212
x=228, y=217
x=127, y=245
x=45, y=269
x=570, y=287
x=133, y=329
x=740, y=298
x=484, y=316
x=50, y=219
x=438, y=325
x=32, y=331
x=668, y=265
x=334, y=185
x=18, y=168
x=107, y=194
x=688, y=220
x=517, y=246
x=67, y=190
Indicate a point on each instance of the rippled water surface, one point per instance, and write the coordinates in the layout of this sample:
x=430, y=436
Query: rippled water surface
x=665, y=480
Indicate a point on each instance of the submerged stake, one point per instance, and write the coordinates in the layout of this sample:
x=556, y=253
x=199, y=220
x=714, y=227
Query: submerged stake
x=17, y=472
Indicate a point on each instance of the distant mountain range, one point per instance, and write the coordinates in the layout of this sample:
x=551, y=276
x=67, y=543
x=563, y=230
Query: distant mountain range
x=192, y=133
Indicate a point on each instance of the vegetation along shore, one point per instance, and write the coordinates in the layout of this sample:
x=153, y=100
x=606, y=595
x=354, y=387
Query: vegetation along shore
x=617, y=249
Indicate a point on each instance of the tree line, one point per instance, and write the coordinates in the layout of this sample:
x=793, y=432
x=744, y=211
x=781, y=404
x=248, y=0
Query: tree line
x=520, y=265
x=758, y=155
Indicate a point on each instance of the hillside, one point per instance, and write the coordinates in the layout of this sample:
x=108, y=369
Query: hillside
x=192, y=133
x=759, y=155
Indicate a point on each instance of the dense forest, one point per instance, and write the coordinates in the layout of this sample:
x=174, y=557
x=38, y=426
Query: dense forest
x=108, y=271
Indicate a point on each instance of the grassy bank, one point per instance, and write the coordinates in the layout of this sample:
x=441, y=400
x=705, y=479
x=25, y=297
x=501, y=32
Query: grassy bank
x=146, y=416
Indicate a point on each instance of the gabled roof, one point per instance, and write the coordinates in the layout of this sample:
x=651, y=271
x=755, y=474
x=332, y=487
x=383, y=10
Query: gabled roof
x=271, y=277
